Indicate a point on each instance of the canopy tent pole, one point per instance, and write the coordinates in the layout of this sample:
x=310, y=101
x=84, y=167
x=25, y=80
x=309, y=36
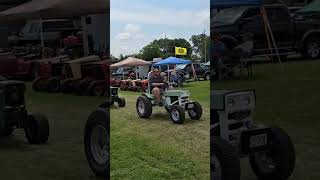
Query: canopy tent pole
x=267, y=22
x=41, y=37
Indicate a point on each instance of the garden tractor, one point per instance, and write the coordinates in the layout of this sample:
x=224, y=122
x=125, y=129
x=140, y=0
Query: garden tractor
x=114, y=97
x=13, y=114
x=76, y=79
x=176, y=102
x=49, y=74
x=234, y=135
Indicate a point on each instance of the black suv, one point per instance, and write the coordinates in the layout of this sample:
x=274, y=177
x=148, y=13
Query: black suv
x=201, y=70
x=292, y=34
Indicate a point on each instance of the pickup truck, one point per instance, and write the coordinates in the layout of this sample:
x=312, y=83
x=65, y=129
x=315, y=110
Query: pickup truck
x=52, y=30
x=298, y=34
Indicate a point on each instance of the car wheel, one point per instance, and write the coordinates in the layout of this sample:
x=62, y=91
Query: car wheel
x=96, y=141
x=196, y=112
x=279, y=161
x=177, y=114
x=36, y=129
x=312, y=48
x=224, y=160
x=144, y=107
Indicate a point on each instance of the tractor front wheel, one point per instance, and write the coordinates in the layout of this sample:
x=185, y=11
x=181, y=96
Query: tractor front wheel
x=177, y=114
x=96, y=141
x=36, y=129
x=144, y=107
x=279, y=161
x=121, y=102
x=224, y=162
x=196, y=112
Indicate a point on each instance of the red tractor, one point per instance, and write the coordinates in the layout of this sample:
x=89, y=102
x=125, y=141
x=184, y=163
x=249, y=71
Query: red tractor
x=13, y=67
x=49, y=74
x=86, y=76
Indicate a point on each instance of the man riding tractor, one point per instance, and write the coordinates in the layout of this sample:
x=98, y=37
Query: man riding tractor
x=176, y=102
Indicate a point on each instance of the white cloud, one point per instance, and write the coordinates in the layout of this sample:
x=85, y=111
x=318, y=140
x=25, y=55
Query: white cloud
x=158, y=16
x=130, y=31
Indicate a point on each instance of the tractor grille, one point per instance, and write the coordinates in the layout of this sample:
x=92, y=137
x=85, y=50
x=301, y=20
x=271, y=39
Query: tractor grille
x=114, y=91
x=14, y=96
x=240, y=115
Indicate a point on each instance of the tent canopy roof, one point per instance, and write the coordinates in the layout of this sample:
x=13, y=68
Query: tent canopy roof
x=172, y=61
x=49, y=9
x=131, y=62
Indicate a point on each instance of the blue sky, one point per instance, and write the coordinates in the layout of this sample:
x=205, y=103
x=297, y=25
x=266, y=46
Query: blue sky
x=135, y=23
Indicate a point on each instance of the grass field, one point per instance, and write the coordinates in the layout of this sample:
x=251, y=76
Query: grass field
x=156, y=148
x=288, y=99
x=63, y=156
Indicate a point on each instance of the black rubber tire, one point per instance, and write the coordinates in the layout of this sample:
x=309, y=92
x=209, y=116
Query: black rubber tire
x=6, y=132
x=148, y=107
x=81, y=86
x=100, y=118
x=282, y=152
x=181, y=114
x=40, y=85
x=36, y=129
x=198, y=111
x=228, y=158
x=121, y=102
x=307, y=45
x=94, y=89
x=66, y=87
x=54, y=85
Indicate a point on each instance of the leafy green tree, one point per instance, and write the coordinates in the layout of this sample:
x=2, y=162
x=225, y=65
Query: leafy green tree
x=200, y=47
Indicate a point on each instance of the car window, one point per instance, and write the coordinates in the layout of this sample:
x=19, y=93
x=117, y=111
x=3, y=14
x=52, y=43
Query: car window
x=252, y=13
x=56, y=25
x=34, y=28
x=228, y=16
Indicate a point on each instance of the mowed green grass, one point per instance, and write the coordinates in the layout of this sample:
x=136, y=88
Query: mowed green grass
x=156, y=148
x=63, y=156
x=288, y=98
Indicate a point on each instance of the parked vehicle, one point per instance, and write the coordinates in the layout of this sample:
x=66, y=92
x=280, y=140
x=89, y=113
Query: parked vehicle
x=13, y=67
x=292, y=35
x=49, y=74
x=201, y=71
x=52, y=30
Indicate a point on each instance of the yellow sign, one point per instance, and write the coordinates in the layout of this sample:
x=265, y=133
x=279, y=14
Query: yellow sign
x=181, y=51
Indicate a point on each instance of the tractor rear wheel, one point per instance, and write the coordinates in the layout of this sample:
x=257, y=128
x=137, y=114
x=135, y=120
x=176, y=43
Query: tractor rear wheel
x=177, y=114
x=96, y=141
x=196, y=112
x=144, y=107
x=36, y=129
x=40, y=85
x=53, y=85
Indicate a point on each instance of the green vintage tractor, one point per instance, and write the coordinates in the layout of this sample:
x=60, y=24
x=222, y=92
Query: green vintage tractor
x=176, y=102
x=114, y=97
x=13, y=114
